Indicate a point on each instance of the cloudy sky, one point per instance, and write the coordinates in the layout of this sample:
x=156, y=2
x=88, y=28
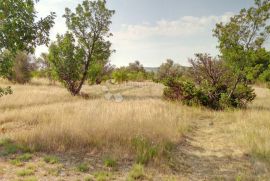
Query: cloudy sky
x=152, y=31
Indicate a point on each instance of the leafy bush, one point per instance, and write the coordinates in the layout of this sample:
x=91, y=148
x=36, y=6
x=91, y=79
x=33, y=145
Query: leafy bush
x=99, y=71
x=21, y=69
x=212, y=85
x=5, y=91
x=120, y=75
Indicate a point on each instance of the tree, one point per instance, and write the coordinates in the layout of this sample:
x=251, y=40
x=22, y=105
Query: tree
x=169, y=69
x=241, y=40
x=19, y=30
x=135, y=67
x=84, y=43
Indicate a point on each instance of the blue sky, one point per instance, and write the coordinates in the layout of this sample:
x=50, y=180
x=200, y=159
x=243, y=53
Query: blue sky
x=152, y=31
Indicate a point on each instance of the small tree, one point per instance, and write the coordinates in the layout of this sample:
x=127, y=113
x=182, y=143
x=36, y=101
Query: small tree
x=85, y=43
x=135, y=67
x=169, y=69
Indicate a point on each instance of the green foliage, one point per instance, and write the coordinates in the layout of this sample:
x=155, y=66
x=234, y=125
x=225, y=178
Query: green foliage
x=82, y=167
x=17, y=16
x=25, y=157
x=133, y=72
x=241, y=42
x=99, y=71
x=120, y=75
x=67, y=59
x=211, y=86
x=89, y=26
x=6, y=64
x=136, y=173
x=5, y=91
x=9, y=147
x=102, y=176
x=145, y=150
x=45, y=68
x=18, y=161
x=25, y=172
x=184, y=91
x=51, y=159
x=110, y=162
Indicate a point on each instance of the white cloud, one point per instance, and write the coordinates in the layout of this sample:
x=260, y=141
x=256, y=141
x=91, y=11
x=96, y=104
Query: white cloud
x=176, y=39
x=151, y=43
x=185, y=26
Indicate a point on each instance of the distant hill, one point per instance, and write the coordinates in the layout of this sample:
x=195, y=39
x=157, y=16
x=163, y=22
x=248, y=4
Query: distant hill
x=155, y=69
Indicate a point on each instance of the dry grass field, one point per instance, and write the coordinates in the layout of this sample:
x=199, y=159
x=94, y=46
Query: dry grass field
x=49, y=135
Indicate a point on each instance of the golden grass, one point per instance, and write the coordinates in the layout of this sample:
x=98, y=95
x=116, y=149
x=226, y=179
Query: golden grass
x=47, y=118
x=250, y=128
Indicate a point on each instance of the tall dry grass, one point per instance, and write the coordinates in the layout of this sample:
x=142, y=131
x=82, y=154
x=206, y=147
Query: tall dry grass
x=250, y=128
x=47, y=118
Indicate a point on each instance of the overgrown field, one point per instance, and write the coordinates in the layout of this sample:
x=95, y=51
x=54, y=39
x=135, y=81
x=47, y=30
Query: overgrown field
x=142, y=128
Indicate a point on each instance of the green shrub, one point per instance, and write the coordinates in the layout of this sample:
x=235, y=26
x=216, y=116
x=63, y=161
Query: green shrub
x=120, y=75
x=212, y=85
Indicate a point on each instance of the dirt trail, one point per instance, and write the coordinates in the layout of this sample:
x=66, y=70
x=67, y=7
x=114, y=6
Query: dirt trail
x=210, y=154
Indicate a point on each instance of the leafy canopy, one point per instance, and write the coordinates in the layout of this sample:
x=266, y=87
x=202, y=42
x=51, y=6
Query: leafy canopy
x=85, y=43
x=19, y=30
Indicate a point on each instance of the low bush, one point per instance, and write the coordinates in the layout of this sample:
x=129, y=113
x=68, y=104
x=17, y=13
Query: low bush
x=211, y=85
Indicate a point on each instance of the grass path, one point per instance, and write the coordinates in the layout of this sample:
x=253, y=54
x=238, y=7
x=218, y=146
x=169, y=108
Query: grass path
x=210, y=154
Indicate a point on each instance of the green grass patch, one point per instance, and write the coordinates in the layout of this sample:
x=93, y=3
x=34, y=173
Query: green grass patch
x=102, y=176
x=16, y=162
x=10, y=147
x=88, y=178
x=83, y=167
x=25, y=172
x=136, y=173
x=145, y=150
x=51, y=159
x=30, y=179
x=110, y=162
x=25, y=157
